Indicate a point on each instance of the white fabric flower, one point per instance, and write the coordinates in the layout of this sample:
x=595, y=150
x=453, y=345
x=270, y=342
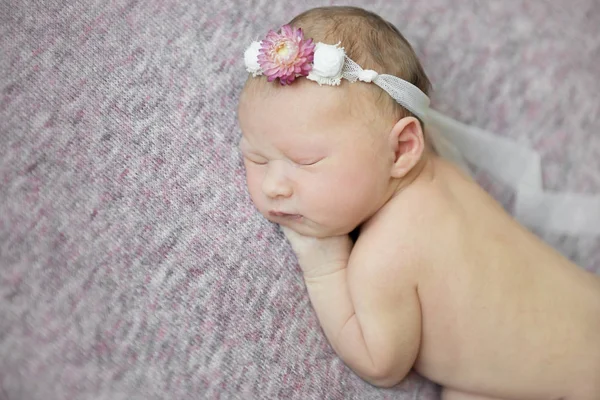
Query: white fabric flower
x=328, y=64
x=251, y=59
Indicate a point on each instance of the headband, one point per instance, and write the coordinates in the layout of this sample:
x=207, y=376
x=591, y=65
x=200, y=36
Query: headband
x=287, y=56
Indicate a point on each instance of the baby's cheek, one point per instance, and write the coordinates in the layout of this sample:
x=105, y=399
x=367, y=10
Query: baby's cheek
x=335, y=193
x=357, y=188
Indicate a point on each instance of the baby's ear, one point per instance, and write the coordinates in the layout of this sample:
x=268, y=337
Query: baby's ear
x=407, y=142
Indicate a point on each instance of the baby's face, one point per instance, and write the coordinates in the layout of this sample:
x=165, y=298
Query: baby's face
x=310, y=164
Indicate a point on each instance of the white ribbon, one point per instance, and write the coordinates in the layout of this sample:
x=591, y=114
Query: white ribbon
x=519, y=168
x=516, y=166
x=405, y=93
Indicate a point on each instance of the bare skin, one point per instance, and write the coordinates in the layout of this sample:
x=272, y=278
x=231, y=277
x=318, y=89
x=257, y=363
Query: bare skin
x=461, y=291
x=441, y=278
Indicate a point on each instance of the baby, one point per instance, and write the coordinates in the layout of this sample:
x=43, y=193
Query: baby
x=441, y=279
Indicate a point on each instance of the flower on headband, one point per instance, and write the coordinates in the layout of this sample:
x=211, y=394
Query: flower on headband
x=285, y=55
x=328, y=64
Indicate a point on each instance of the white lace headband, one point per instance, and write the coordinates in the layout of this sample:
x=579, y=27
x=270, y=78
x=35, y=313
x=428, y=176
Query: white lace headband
x=287, y=55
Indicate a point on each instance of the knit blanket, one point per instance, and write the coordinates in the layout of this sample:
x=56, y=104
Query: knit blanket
x=132, y=262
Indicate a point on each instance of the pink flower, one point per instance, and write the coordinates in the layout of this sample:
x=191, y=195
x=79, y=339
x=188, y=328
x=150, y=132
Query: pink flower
x=286, y=55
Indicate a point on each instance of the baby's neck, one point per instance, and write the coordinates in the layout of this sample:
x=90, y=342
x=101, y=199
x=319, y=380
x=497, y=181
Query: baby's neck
x=422, y=171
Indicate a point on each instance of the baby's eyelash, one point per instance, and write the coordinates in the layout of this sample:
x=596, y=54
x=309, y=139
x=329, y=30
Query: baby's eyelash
x=254, y=161
x=308, y=162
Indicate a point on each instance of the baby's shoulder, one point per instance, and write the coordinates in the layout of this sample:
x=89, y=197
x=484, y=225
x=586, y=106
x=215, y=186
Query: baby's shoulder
x=388, y=245
x=402, y=232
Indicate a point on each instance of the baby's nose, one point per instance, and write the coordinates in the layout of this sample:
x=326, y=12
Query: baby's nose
x=276, y=184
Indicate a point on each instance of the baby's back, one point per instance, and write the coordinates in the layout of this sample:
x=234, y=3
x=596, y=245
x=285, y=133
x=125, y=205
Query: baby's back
x=503, y=313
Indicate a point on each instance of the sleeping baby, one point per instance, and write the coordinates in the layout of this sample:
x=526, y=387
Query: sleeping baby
x=440, y=279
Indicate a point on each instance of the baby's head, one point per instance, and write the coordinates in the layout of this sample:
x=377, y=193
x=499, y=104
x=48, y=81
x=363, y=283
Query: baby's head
x=323, y=159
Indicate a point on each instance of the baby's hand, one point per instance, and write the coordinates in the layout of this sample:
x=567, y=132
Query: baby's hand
x=319, y=256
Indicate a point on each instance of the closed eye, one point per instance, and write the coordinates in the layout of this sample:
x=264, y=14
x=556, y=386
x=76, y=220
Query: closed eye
x=256, y=160
x=308, y=162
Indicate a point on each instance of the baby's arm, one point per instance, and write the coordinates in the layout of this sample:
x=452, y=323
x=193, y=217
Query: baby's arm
x=371, y=319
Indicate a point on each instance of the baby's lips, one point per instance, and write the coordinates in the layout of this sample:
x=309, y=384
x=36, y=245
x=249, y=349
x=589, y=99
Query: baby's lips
x=281, y=214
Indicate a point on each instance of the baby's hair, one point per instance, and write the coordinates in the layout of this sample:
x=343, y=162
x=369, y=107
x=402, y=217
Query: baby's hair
x=369, y=40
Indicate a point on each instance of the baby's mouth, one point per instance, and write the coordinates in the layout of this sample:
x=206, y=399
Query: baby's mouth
x=278, y=214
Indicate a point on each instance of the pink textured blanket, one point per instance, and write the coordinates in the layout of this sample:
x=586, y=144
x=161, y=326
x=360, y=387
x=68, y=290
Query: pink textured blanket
x=132, y=263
